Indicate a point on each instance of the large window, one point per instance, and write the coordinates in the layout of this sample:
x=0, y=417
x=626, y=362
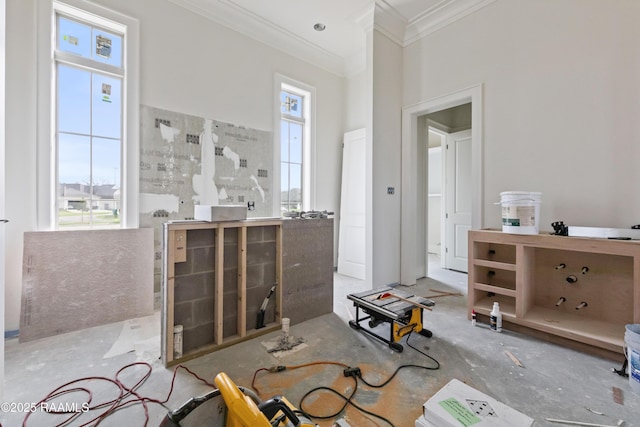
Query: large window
x=88, y=151
x=296, y=106
x=291, y=146
x=89, y=81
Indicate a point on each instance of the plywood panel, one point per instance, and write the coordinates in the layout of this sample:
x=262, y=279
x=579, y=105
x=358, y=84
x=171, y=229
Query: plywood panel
x=73, y=280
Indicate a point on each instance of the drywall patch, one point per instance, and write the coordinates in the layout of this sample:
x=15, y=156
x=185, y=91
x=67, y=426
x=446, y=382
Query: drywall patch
x=237, y=158
x=234, y=157
x=258, y=187
x=168, y=133
x=150, y=203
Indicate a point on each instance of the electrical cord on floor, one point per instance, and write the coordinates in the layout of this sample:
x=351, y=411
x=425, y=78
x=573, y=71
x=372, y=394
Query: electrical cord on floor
x=348, y=400
x=423, y=353
x=127, y=396
x=348, y=371
x=359, y=375
x=281, y=368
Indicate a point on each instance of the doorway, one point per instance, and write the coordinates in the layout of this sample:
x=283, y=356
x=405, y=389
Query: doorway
x=414, y=247
x=448, y=175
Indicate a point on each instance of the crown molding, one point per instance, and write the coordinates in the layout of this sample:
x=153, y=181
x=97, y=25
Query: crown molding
x=365, y=18
x=389, y=22
x=243, y=21
x=443, y=14
x=379, y=16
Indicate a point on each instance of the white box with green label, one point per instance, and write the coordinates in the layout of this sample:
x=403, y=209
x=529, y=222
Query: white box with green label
x=458, y=405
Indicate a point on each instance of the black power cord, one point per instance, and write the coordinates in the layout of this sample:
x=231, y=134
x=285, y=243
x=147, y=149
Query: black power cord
x=356, y=373
x=348, y=400
x=348, y=371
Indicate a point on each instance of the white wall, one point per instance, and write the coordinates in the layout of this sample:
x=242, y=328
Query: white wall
x=188, y=64
x=355, y=101
x=20, y=149
x=386, y=145
x=561, y=89
x=2, y=186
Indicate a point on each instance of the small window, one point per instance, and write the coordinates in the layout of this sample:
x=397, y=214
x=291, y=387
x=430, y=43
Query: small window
x=291, y=105
x=89, y=42
x=74, y=37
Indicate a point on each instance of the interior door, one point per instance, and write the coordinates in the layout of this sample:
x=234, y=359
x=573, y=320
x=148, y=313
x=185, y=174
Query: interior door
x=351, y=243
x=457, y=199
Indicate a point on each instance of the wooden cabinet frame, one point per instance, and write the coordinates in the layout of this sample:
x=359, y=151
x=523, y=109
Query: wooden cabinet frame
x=518, y=271
x=175, y=251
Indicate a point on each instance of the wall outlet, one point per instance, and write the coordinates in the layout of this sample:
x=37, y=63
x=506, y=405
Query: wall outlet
x=391, y=190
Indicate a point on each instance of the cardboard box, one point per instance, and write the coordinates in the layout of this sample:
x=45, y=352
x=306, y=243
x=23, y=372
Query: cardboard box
x=458, y=405
x=219, y=213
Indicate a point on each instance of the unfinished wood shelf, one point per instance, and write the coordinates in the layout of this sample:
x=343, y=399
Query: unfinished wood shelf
x=540, y=282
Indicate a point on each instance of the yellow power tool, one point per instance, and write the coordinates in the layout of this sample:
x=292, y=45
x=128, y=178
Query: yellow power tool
x=233, y=406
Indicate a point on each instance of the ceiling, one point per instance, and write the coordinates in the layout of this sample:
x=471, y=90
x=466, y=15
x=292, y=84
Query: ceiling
x=288, y=25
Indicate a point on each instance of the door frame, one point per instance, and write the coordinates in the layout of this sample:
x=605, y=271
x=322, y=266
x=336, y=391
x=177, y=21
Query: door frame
x=409, y=178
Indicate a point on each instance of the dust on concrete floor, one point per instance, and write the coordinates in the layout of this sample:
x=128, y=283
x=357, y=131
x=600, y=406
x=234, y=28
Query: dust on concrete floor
x=555, y=382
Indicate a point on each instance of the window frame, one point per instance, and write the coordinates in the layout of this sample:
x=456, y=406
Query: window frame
x=308, y=93
x=47, y=98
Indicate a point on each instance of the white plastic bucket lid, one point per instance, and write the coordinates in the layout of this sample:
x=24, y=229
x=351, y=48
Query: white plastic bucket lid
x=536, y=194
x=520, y=196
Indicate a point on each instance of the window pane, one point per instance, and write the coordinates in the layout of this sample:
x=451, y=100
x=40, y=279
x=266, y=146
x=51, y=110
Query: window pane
x=291, y=104
x=295, y=142
x=284, y=181
x=295, y=183
x=74, y=97
x=106, y=162
x=106, y=176
x=284, y=140
x=283, y=103
x=74, y=37
x=107, y=106
x=74, y=159
x=74, y=191
x=106, y=47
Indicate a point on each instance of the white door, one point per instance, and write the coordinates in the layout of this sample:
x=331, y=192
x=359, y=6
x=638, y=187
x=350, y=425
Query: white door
x=457, y=200
x=351, y=240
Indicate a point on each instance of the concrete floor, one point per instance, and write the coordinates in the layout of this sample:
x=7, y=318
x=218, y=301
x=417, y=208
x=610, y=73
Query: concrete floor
x=555, y=382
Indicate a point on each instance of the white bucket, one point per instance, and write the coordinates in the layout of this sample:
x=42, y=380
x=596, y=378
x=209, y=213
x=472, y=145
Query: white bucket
x=632, y=340
x=520, y=211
